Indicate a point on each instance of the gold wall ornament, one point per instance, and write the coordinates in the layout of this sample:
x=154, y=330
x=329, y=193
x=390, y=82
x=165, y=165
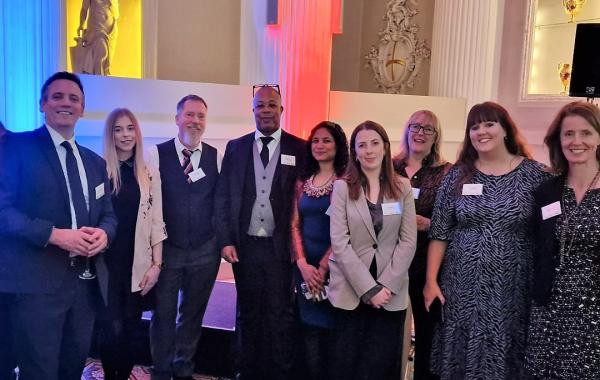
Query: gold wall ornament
x=396, y=59
x=564, y=73
x=572, y=7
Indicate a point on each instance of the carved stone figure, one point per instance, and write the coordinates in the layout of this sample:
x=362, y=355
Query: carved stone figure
x=396, y=60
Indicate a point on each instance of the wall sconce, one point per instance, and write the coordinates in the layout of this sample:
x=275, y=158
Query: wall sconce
x=572, y=7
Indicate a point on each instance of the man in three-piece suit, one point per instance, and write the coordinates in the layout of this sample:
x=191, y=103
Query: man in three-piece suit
x=253, y=203
x=55, y=219
x=189, y=170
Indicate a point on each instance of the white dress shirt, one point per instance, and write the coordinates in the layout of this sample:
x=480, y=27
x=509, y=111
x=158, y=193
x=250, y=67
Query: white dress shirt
x=179, y=147
x=57, y=139
x=271, y=145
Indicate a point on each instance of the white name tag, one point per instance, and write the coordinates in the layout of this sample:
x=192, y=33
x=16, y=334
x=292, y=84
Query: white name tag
x=196, y=174
x=551, y=210
x=472, y=189
x=288, y=160
x=416, y=191
x=394, y=208
x=99, y=191
x=328, y=211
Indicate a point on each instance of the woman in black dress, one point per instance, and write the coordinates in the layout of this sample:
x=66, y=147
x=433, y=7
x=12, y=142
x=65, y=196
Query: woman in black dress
x=420, y=160
x=564, y=333
x=134, y=259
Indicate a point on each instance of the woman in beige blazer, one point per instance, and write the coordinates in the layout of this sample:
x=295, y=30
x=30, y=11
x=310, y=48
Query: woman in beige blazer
x=373, y=238
x=134, y=259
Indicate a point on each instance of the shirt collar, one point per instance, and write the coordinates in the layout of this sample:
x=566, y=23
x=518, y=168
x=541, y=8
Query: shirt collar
x=57, y=139
x=276, y=135
x=180, y=147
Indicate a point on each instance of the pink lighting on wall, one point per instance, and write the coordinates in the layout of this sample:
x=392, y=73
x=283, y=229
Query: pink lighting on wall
x=303, y=44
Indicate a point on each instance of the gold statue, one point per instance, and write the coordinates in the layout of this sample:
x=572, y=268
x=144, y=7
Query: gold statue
x=573, y=7
x=564, y=73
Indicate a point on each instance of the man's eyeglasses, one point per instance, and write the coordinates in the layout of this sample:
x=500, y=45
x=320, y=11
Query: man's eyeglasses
x=427, y=129
x=257, y=87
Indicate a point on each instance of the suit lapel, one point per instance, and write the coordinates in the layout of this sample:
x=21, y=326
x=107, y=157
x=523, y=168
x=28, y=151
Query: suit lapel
x=363, y=211
x=285, y=169
x=245, y=153
x=47, y=147
x=390, y=225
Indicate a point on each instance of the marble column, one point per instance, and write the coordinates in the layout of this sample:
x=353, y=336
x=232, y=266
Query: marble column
x=465, y=53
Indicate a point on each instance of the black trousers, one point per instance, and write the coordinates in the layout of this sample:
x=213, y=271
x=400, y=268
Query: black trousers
x=368, y=344
x=424, y=324
x=314, y=360
x=265, y=312
x=116, y=339
x=53, y=332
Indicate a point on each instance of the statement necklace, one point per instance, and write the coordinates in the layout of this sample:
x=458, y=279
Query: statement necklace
x=318, y=191
x=571, y=214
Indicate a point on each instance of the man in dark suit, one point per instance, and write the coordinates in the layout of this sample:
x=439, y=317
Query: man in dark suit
x=189, y=170
x=253, y=203
x=55, y=219
x=8, y=362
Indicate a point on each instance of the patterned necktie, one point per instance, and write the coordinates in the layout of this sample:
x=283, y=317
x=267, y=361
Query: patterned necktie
x=81, y=211
x=264, y=152
x=187, y=163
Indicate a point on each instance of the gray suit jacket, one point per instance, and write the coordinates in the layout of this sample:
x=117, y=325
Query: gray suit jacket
x=354, y=245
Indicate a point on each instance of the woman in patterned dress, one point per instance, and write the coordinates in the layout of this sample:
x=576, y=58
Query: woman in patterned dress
x=134, y=258
x=326, y=161
x=564, y=336
x=420, y=161
x=481, y=230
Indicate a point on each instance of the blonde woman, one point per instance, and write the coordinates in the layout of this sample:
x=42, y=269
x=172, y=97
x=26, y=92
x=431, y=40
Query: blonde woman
x=134, y=259
x=421, y=162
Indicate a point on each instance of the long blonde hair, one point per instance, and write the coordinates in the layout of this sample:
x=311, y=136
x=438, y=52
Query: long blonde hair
x=110, y=152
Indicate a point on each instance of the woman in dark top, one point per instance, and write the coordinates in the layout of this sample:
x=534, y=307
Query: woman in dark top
x=564, y=332
x=421, y=162
x=326, y=161
x=134, y=259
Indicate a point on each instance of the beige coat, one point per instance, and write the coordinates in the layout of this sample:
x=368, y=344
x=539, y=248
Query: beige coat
x=150, y=228
x=354, y=245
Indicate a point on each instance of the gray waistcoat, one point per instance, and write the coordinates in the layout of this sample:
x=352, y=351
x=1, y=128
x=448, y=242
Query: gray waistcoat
x=262, y=213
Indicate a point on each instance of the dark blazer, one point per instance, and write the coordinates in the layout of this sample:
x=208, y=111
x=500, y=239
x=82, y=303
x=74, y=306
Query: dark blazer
x=33, y=199
x=546, y=246
x=231, y=189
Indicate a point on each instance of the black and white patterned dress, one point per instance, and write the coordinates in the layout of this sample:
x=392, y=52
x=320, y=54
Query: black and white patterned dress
x=486, y=274
x=564, y=337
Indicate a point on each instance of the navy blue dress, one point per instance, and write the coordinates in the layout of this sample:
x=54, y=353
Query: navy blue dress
x=316, y=241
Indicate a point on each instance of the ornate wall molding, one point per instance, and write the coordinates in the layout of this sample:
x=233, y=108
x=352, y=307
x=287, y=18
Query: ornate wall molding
x=396, y=59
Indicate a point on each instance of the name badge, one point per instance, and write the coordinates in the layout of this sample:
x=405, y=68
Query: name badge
x=551, y=210
x=416, y=191
x=328, y=211
x=393, y=208
x=288, y=160
x=472, y=189
x=196, y=174
x=99, y=191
